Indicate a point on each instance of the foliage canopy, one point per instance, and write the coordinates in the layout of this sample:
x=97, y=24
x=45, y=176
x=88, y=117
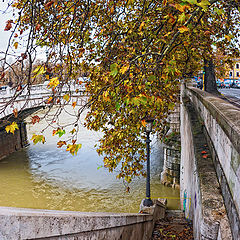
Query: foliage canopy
x=134, y=52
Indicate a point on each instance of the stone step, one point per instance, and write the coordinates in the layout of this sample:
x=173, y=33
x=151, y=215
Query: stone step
x=173, y=226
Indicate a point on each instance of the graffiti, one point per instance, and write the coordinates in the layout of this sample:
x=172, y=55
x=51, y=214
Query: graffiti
x=184, y=199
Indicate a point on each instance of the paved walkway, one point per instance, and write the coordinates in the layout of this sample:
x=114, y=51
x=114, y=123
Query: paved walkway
x=173, y=227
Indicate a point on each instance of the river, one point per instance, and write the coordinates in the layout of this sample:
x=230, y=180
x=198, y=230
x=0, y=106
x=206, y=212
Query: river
x=43, y=176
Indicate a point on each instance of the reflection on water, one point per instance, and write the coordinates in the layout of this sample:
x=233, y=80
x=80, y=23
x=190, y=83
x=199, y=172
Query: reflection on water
x=45, y=177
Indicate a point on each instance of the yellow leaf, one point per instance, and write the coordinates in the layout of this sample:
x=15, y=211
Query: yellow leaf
x=12, y=127
x=124, y=69
x=53, y=82
x=38, y=138
x=183, y=29
x=66, y=97
x=141, y=26
x=39, y=70
x=15, y=45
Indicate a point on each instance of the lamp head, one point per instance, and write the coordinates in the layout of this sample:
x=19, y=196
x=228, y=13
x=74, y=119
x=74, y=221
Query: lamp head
x=149, y=124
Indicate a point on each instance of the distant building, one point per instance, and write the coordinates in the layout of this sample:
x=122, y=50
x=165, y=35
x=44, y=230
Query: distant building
x=234, y=73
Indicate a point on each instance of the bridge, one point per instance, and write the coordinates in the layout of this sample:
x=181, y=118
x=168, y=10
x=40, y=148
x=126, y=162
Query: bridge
x=37, y=96
x=209, y=177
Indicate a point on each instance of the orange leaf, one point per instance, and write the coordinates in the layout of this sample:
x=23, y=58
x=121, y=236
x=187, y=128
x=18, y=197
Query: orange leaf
x=205, y=156
x=143, y=123
x=38, y=26
x=203, y=152
x=74, y=104
x=15, y=112
x=49, y=100
x=61, y=143
x=35, y=119
x=8, y=25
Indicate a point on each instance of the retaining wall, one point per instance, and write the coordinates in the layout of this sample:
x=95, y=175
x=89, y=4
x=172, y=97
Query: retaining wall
x=17, y=223
x=201, y=188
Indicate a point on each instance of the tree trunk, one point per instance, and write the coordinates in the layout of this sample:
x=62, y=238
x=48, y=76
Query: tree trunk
x=210, y=84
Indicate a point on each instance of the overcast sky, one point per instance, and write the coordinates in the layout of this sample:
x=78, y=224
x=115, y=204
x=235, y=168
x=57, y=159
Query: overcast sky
x=4, y=35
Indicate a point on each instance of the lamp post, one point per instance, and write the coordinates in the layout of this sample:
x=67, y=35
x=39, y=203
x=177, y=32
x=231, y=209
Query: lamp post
x=147, y=201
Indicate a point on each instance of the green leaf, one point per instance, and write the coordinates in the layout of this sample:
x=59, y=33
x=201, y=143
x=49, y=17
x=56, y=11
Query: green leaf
x=60, y=132
x=143, y=100
x=190, y=1
x=203, y=4
x=117, y=106
x=152, y=78
x=114, y=69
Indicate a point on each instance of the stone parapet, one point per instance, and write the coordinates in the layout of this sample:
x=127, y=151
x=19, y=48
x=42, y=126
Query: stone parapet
x=221, y=121
x=19, y=223
x=200, y=192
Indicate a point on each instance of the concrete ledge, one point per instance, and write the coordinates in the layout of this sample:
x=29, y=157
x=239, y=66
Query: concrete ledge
x=226, y=114
x=19, y=223
x=199, y=181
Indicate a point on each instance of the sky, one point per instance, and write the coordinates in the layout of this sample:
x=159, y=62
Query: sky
x=4, y=35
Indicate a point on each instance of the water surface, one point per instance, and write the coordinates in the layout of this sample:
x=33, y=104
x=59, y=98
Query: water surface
x=43, y=176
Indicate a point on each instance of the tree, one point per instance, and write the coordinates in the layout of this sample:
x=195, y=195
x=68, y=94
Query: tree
x=135, y=53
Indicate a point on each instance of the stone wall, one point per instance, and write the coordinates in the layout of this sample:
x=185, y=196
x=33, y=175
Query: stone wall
x=17, y=223
x=10, y=143
x=222, y=129
x=200, y=191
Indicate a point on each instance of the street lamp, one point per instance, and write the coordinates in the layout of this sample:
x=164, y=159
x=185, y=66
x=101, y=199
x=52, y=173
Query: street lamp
x=147, y=201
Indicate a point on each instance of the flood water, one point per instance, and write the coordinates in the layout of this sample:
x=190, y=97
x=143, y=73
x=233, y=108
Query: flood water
x=43, y=176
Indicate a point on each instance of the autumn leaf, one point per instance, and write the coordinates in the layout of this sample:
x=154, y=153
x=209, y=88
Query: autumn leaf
x=73, y=131
x=38, y=26
x=15, y=45
x=59, y=132
x=54, y=82
x=50, y=100
x=38, y=138
x=48, y=4
x=12, y=127
x=203, y=152
x=124, y=68
x=114, y=69
x=144, y=122
x=205, y=156
x=39, y=70
x=66, y=97
x=228, y=38
x=8, y=25
x=61, y=143
x=74, y=104
x=15, y=112
x=183, y=29
x=204, y=4
x=141, y=26
x=73, y=148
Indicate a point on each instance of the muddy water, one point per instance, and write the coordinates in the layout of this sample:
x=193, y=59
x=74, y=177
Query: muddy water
x=45, y=177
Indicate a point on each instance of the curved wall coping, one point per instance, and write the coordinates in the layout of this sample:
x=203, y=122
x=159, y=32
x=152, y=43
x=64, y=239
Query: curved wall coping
x=226, y=114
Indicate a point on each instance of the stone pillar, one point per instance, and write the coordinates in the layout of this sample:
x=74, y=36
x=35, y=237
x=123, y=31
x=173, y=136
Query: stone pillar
x=10, y=143
x=170, y=175
x=23, y=134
